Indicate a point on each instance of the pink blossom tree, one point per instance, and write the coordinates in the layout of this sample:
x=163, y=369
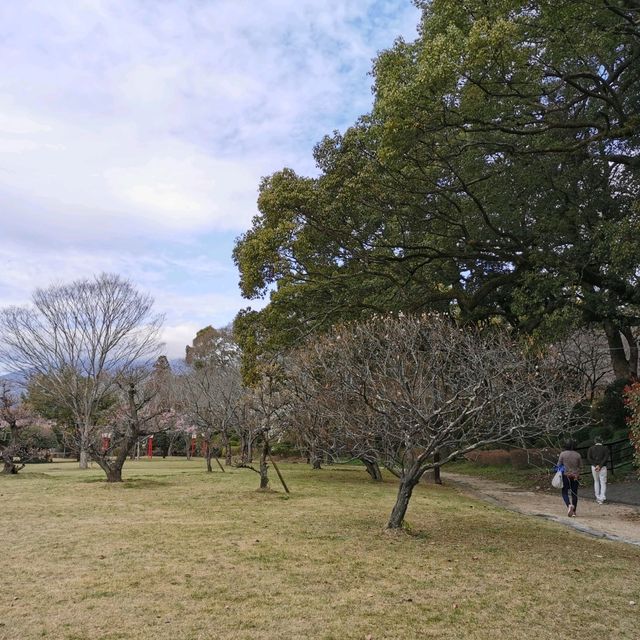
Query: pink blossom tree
x=16, y=418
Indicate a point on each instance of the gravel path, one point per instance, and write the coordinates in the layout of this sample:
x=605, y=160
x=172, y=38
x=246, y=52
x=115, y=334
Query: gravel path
x=613, y=521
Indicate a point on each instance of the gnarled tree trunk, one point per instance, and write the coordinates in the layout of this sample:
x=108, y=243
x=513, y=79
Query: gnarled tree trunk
x=9, y=466
x=408, y=480
x=372, y=467
x=623, y=366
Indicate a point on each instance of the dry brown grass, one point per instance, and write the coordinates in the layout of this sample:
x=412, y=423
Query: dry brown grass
x=176, y=553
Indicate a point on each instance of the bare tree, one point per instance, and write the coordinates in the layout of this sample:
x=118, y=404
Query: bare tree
x=312, y=417
x=586, y=354
x=212, y=393
x=263, y=418
x=76, y=340
x=213, y=387
x=418, y=392
x=139, y=412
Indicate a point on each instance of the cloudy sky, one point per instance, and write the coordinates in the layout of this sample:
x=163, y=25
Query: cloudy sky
x=133, y=133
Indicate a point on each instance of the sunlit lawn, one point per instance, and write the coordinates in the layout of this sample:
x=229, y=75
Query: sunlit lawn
x=177, y=553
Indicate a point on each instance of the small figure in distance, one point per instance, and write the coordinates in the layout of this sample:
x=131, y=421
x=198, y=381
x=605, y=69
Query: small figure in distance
x=571, y=461
x=597, y=457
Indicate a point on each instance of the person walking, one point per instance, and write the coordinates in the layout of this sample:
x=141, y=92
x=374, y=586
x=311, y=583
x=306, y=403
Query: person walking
x=597, y=457
x=571, y=463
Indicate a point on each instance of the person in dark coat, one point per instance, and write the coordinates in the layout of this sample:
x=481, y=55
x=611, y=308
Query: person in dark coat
x=571, y=462
x=597, y=457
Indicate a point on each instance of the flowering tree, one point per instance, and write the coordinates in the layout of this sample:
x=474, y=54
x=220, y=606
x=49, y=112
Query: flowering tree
x=16, y=418
x=632, y=401
x=417, y=392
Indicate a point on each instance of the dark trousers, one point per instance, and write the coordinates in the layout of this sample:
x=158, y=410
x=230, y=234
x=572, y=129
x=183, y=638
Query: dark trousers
x=570, y=485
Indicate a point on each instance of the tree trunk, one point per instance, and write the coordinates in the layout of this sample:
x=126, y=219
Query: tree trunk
x=83, y=446
x=436, y=470
x=621, y=366
x=315, y=459
x=113, y=466
x=373, y=468
x=405, y=489
x=264, y=467
x=10, y=467
x=627, y=332
x=208, y=457
x=227, y=448
x=114, y=474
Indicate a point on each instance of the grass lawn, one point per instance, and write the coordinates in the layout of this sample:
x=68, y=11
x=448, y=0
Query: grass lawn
x=176, y=553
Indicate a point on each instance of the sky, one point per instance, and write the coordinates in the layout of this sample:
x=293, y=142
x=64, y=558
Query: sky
x=134, y=133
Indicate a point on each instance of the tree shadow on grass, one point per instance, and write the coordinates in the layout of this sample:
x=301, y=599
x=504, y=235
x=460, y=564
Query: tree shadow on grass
x=32, y=475
x=131, y=483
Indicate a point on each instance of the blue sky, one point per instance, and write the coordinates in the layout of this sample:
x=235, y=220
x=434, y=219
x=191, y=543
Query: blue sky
x=133, y=133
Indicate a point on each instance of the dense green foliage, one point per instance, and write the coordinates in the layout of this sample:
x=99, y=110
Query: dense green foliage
x=495, y=177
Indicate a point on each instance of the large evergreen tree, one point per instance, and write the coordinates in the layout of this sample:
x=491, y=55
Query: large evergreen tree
x=496, y=176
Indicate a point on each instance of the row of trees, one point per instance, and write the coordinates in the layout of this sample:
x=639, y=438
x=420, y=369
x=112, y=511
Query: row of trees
x=402, y=392
x=86, y=358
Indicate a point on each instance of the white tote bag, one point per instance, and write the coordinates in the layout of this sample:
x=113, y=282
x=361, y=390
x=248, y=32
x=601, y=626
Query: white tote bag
x=556, y=481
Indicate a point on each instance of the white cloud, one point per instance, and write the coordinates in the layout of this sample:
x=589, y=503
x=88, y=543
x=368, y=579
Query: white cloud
x=133, y=134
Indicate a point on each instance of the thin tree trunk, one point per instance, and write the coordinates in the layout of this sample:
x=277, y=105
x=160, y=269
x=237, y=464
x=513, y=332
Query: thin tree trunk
x=405, y=489
x=208, y=457
x=227, y=448
x=264, y=467
x=436, y=470
x=315, y=459
x=84, y=448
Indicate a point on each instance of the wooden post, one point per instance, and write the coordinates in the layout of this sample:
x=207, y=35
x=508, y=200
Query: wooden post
x=275, y=466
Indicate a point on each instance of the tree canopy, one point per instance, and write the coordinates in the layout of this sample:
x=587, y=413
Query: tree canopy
x=496, y=177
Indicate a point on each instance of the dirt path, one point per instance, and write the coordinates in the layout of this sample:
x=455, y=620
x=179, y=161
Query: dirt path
x=612, y=521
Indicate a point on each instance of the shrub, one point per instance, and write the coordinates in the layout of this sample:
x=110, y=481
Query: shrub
x=527, y=458
x=284, y=450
